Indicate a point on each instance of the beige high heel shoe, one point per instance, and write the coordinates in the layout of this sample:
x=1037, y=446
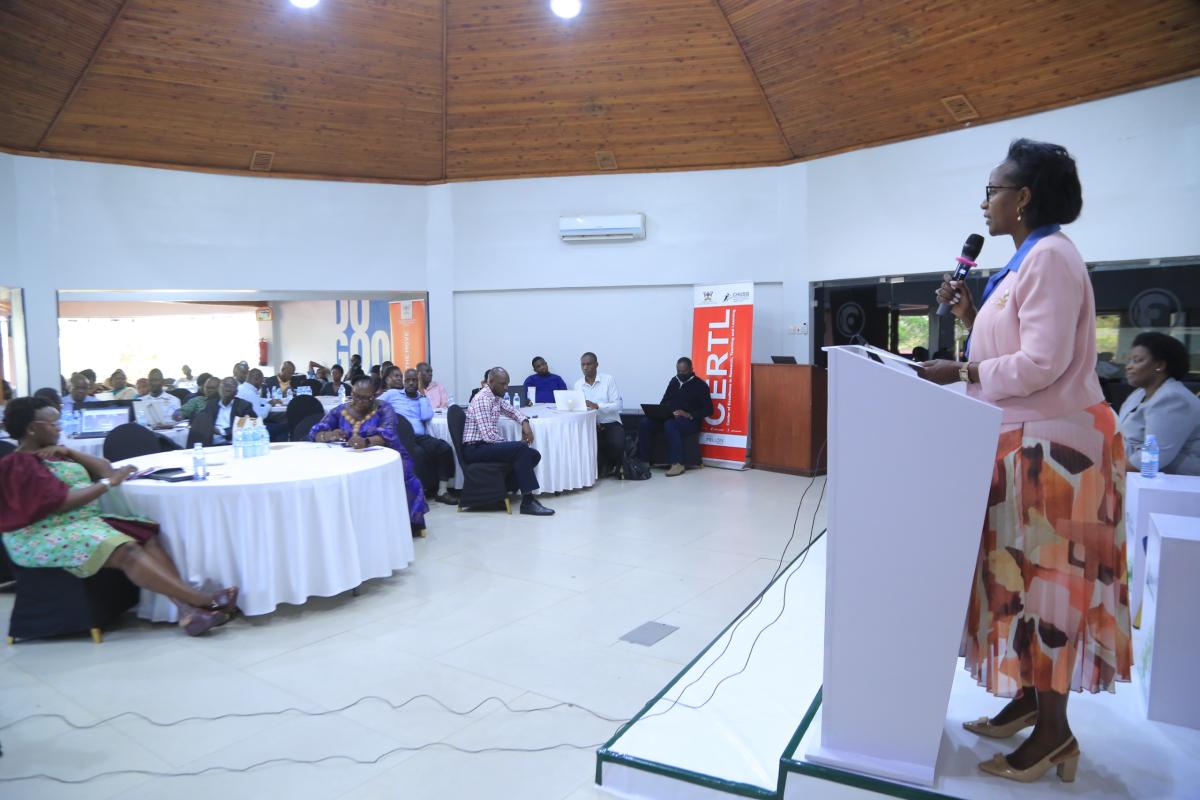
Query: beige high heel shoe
x=984, y=727
x=1065, y=758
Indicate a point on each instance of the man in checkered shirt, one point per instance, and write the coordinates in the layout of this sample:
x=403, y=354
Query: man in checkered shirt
x=482, y=441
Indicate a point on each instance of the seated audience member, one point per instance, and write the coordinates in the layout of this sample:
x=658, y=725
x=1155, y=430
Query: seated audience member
x=688, y=397
x=1161, y=405
x=487, y=373
x=330, y=389
x=186, y=381
x=437, y=394
x=212, y=388
x=602, y=395
x=356, y=369
x=120, y=388
x=433, y=458
x=80, y=394
x=157, y=407
x=50, y=516
x=225, y=408
x=482, y=441
x=944, y=354
x=363, y=422
x=202, y=379
x=540, y=386
x=920, y=354
x=281, y=386
x=51, y=396
x=1106, y=369
x=241, y=372
x=254, y=392
x=143, y=388
x=317, y=372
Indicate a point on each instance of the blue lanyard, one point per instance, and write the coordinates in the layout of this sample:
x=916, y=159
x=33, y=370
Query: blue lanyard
x=1014, y=263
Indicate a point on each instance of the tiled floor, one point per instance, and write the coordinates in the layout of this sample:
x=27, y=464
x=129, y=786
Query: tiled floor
x=522, y=609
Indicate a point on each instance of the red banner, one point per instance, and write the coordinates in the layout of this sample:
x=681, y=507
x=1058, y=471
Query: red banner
x=722, y=334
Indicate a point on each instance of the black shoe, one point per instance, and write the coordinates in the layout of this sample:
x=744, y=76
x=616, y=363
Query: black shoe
x=447, y=499
x=531, y=506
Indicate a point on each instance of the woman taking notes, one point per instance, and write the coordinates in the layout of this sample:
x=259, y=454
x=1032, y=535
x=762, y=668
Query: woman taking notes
x=1049, y=609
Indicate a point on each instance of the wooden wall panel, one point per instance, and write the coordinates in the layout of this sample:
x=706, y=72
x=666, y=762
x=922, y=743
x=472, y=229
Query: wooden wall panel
x=350, y=88
x=659, y=84
x=44, y=47
x=847, y=75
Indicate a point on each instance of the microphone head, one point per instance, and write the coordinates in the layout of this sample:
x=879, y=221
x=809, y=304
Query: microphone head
x=972, y=246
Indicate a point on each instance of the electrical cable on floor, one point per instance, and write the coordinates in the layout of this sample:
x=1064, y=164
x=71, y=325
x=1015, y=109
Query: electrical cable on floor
x=303, y=712
x=802, y=557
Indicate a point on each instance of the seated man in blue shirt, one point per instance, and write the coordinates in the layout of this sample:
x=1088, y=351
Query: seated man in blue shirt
x=543, y=382
x=690, y=401
x=432, y=458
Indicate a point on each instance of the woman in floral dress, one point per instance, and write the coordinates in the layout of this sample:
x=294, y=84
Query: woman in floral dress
x=50, y=516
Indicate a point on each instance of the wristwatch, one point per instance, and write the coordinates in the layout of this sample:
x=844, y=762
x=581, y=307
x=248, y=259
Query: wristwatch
x=964, y=373
x=105, y=482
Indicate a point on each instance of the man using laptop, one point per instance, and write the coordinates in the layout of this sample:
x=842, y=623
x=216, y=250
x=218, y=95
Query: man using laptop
x=689, y=401
x=482, y=440
x=602, y=396
x=543, y=382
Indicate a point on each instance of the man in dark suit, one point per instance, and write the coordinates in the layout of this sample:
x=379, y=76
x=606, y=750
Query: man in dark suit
x=225, y=408
x=281, y=385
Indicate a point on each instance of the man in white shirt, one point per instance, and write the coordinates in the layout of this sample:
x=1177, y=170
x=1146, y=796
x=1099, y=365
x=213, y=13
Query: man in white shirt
x=251, y=392
x=158, y=407
x=602, y=395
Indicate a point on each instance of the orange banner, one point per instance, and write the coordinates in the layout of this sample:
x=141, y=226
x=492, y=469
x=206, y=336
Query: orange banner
x=408, y=333
x=722, y=334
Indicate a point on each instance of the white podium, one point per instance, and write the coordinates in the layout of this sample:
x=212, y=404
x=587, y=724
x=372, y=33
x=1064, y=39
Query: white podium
x=905, y=518
x=1162, y=494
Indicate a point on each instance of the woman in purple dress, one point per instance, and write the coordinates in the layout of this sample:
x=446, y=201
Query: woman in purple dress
x=362, y=422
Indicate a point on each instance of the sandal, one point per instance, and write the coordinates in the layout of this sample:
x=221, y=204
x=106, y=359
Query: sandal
x=199, y=622
x=225, y=600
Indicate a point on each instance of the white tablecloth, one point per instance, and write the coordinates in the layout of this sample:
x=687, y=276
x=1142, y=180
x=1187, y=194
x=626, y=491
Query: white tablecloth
x=306, y=520
x=95, y=447
x=566, y=440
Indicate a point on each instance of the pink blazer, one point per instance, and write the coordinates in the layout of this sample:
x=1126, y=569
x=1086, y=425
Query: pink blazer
x=1035, y=338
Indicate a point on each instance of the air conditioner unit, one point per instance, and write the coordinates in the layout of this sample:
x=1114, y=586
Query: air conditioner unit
x=607, y=228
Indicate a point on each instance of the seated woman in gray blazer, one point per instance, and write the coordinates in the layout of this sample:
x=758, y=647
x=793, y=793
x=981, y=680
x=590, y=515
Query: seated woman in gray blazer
x=1161, y=405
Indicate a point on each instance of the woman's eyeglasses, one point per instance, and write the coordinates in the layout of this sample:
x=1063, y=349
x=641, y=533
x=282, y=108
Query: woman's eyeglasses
x=990, y=190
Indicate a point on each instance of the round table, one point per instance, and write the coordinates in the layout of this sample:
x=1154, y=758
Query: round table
x=566, y=440
x=95, y=446
x=305, y=520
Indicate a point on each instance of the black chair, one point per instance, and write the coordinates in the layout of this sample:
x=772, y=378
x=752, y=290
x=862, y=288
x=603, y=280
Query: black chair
x=304, y=426
x=6, y=448
x=130, y=441
x=300, y=407
x=53, y=602
x=483, y=484
x=166, y=445
x=183, y=395
x=201, y=430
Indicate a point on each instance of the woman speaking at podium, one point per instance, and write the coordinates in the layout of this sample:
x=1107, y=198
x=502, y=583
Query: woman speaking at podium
x=1049, y=608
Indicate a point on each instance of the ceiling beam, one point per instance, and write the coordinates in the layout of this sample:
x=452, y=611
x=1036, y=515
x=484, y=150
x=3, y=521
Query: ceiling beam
x=754, y=76
x=83, y=75
x=445, y=84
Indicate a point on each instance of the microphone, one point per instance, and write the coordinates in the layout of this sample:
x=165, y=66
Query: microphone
x=970, y=252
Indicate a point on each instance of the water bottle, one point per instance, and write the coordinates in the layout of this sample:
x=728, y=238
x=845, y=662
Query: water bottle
x=78, y=422
x=239, y=441
x=1150, y=456
x=199, y=463
x=68, y=424
x=263, y=439
x=532, y=395
x=341, y=393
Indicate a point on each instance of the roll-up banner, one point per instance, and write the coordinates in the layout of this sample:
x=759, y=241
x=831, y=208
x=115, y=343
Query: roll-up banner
x=408, y=333
x=722, y=333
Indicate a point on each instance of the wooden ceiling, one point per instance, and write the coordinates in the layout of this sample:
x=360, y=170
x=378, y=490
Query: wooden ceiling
x=433, y=90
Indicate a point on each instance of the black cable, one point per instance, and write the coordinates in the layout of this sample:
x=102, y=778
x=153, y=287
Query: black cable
x=803, y=555
x=294, y=710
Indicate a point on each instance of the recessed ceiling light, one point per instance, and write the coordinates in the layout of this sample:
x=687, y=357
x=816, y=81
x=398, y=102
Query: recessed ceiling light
x=567, y=9
x=305, y=3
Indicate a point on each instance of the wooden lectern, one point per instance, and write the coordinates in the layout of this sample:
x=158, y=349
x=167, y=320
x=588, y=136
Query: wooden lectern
x=787, y=418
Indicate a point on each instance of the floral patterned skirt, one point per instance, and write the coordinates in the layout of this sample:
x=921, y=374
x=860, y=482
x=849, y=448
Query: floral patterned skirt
x=1049, y=606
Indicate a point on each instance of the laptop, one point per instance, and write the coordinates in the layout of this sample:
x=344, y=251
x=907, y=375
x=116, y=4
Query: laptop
x=569, y=400
x=783, y=359
x=657, y=412
x=521, y=395
x=98, y=418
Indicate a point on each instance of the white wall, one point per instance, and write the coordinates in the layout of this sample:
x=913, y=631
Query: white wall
x=307, y=331
x=894, y=209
